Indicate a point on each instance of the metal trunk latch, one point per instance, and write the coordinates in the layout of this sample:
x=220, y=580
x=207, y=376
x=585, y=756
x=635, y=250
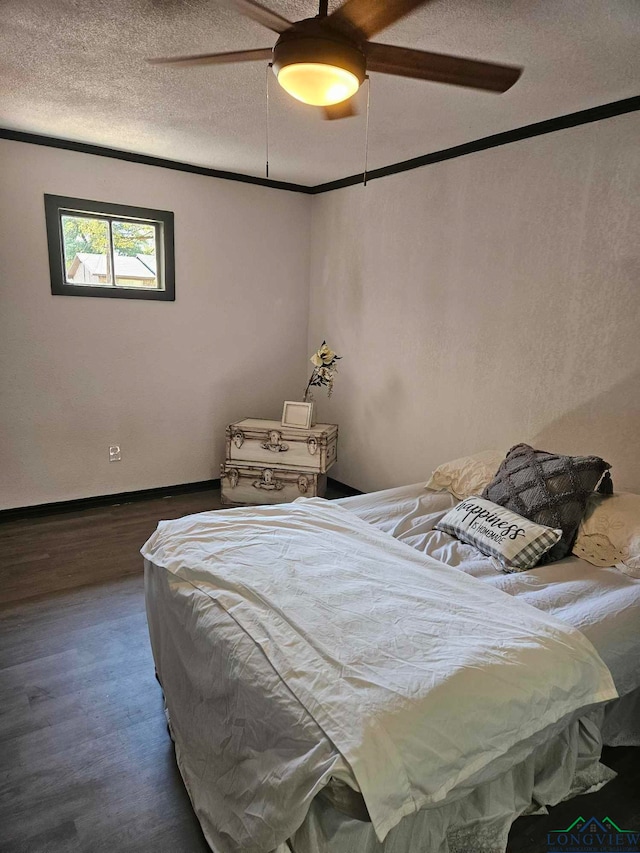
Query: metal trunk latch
x=268, y=482
x=275, y=443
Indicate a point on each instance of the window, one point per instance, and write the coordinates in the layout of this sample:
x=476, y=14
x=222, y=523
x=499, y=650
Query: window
x=102, y=249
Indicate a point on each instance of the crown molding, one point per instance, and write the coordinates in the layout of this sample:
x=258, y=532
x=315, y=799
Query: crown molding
x=146, y=160
x=529, y=131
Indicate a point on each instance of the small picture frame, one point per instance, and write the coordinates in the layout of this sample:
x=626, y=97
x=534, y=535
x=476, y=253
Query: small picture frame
x=297, y=415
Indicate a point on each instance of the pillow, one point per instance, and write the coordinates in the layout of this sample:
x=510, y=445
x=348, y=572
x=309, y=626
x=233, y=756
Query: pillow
x=547, y=488
x=466, y=476
x=609, y=533
x=516, y=542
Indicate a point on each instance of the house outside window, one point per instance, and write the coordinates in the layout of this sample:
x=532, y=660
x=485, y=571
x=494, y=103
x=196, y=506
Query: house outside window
x=109, y=250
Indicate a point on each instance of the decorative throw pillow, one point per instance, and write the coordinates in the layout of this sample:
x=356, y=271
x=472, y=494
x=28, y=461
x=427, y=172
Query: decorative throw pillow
x=609, y=533
x=547, y=488
x=516, y=542
x=466, y=476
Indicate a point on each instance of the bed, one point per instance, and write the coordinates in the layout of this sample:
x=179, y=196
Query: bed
x=301, y=718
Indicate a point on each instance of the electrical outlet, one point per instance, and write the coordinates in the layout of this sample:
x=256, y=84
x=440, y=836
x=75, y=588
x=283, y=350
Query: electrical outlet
x=115, y=453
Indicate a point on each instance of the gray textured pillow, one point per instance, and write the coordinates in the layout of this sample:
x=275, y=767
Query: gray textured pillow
x=547, y=488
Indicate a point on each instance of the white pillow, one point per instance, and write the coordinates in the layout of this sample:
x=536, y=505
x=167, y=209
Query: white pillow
x=468, y=475
x=609, y=533
x=514, y=541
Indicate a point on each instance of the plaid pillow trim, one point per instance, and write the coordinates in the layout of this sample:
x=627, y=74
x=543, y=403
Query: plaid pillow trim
x=510, y=556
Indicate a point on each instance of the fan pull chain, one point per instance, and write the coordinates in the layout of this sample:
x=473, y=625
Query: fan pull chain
x=269, y=67
x=366, y=133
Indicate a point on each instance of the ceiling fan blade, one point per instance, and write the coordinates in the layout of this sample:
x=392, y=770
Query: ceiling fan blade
x=345, y=109
x=215, y=58
x=440, y=68
x=262, y=15
x=368, y=17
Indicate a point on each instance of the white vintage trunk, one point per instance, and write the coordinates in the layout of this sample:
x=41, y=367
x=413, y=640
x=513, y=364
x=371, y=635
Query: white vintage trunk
x=267, y=463
x=253, y=484
x=269, y=443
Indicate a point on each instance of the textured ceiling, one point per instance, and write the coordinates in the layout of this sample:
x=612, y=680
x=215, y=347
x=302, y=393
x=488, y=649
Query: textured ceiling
x=75, y=69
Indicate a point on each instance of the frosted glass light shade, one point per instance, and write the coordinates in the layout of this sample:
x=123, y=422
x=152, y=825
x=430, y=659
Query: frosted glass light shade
x=318, y=84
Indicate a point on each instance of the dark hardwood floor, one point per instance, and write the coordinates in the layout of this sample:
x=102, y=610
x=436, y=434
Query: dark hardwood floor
x=85, y=760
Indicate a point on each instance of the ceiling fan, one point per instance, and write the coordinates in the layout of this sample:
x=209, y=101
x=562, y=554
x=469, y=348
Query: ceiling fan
x=324, y=60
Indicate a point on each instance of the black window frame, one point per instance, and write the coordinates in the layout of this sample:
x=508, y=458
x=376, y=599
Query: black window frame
x=55, y=206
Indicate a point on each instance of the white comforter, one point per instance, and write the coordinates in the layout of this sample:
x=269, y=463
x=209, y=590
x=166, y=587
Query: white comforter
x=603, y=603
x=377, y=643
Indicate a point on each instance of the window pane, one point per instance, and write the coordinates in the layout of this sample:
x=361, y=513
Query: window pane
x=91, y=241
x=86, y=250
x=134, y=250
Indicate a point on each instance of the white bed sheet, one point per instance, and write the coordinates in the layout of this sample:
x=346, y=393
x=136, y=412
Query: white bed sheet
x=603, y=603
x=565, y=766
x=233, y=712
x=378, y=642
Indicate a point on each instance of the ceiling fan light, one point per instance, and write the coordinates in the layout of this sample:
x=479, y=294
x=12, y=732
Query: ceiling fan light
x=317, y=83
x=318, y=69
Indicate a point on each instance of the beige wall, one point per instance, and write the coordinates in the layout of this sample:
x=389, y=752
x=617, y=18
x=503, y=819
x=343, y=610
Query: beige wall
x=478, y=302
x=484, y=301
x=161, y=379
